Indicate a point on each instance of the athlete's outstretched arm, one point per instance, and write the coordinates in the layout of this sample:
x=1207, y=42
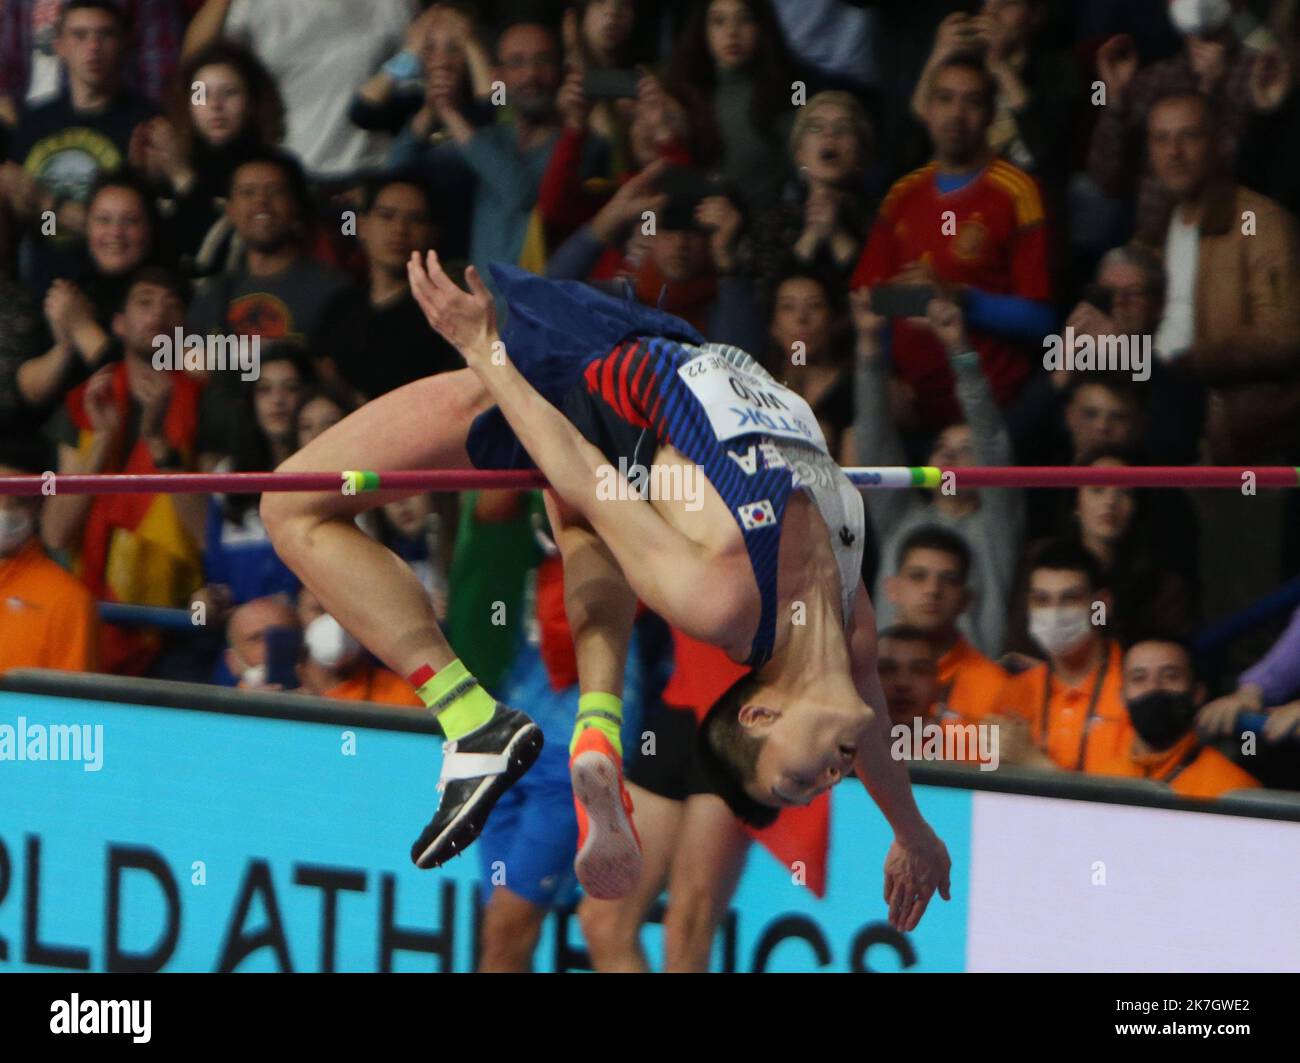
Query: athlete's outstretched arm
x=665, y=568
x=918, y=861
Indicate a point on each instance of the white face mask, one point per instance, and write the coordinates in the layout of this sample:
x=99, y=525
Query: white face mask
x=15, y=529
x=254, y=676
x=1199, y=16
x=1060, y=629
x=328, y=644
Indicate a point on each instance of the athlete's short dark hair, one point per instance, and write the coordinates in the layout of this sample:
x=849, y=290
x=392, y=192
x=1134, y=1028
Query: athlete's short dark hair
x=727, y=754
x=944, y=540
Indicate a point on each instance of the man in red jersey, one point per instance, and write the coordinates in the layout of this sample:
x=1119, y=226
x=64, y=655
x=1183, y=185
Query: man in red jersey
x=969, y=220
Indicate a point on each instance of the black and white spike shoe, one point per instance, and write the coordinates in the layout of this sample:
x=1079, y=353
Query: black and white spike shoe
x=476, y=771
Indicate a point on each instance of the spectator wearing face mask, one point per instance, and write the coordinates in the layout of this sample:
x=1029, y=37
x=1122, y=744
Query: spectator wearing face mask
x=1072, y=704
x=47, y=617
x=1162, y=696
x=337, y=666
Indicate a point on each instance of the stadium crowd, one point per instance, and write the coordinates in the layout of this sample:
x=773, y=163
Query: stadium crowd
x=790, y=176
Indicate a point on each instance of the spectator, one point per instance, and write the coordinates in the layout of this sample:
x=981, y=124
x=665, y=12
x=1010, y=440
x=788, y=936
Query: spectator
x=667, y=121
x=318, y=54
x=193, y=152
x=47, y=617
x=734, y=50
x=907, y=663
x=991, y=522
x=969, y=221
x=1162, y=695
x=279, y=294
x=825, y=228
x=321, y=408
x=804, y=341
x=373, y=333
x=1072, y=705
x=442, y=56
x=239, y=562
x=1146, y=545
x=688, y=267
x=1211, y=63
x=1268, y=159
x=60, y=147
x=413, y=530
x=245, y=656
x=336, y=664
x=30, y=68
x=598, y=36
x=930, y=593
x=1058, y=417
x=1271, y=685
x=120, y=228
x=507, y=158
x=1036, y=87
x=22, y=337
x=1232, y=307
x=440, y=49
x=130, y=418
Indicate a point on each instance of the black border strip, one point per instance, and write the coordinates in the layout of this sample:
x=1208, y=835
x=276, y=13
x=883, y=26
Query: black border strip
x=304, y=708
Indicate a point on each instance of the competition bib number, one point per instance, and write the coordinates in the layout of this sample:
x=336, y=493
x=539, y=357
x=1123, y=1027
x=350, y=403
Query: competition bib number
x=739, y=403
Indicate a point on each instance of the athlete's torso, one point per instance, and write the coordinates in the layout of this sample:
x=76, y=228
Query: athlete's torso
x=770, y=493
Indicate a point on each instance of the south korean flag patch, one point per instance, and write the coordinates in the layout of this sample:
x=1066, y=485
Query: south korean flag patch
x=757, y=515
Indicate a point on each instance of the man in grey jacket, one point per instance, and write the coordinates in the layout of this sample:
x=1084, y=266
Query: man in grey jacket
x=991, y=520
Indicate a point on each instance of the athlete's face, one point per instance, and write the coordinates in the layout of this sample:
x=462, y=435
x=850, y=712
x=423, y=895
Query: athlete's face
x=90, y=45
x=957, y=115
x=397, y=224
x=261, y=206
x=802, y=315
x=806, y=753
x=117, y=230
x=909, y=677
x=928, y=592
x=225, y=103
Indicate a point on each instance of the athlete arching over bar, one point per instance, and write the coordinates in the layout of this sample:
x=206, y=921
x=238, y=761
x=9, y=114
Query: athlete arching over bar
x=768, y=568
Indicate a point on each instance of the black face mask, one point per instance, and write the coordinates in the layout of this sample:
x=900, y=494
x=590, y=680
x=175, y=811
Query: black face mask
x=1162, y=717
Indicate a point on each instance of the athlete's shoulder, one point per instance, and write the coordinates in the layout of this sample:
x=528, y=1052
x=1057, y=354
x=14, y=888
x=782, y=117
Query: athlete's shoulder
x=1020, y=188
x=907, y=187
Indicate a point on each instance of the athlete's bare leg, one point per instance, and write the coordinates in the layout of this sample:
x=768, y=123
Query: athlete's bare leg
x=364, y=585
x=511, y=927
x=612, y=929
x=709, y=857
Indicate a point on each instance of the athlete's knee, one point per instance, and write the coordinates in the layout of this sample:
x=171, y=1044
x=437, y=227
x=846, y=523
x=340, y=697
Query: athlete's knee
x=608, y=928
x=510, y=933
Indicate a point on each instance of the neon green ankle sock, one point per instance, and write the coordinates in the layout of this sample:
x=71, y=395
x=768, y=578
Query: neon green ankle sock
x=458, y=701
x=603, y=712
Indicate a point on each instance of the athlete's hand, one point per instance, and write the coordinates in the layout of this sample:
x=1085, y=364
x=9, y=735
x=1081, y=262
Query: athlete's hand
x=914, y=869
x=465, y=319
